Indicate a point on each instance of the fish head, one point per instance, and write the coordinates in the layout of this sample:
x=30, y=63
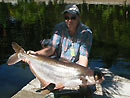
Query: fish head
x=98, y=76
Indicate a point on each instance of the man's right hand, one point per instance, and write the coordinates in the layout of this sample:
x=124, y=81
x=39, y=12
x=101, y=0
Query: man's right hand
x=31, y=52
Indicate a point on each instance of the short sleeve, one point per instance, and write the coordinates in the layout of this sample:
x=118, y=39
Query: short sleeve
x=56, y=38
x=86, y=42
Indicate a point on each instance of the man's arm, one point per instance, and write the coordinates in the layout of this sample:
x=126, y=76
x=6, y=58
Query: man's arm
x=48, y=51
x=83, y=60
x=85, y=48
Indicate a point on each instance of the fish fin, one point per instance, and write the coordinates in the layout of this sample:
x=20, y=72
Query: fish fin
x=17, y=48
x=46, y=91
x=50, y=87
x=13, y=59
x=99, y=90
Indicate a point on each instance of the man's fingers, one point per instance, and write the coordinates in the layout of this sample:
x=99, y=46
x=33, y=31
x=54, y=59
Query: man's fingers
x=31, y=52
x=26, y=60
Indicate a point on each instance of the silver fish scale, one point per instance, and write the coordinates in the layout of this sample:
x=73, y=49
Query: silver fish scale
x=53, y=73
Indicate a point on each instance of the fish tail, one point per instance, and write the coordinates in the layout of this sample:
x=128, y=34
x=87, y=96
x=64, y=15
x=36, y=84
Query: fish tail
x=14, y=58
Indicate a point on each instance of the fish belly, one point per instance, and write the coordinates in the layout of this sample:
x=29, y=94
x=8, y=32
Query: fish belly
x=73, y=83
x=55, y=74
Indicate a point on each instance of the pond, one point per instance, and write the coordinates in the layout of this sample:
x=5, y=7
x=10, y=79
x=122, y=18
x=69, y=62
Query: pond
x=29, y=23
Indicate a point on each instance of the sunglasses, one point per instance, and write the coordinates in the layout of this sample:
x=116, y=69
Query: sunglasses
x=68, y=18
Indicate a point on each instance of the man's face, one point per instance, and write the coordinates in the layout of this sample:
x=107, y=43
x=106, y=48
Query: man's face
x=71, y=20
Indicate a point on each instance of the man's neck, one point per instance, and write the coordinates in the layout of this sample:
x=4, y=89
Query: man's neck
x=72, y=32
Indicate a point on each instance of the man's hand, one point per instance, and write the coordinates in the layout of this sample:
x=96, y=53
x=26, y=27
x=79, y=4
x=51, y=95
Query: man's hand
x=31, y=52
x=27, y=60
x=83, y=60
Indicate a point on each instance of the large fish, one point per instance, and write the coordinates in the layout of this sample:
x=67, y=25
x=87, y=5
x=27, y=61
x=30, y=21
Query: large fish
x=54, y=71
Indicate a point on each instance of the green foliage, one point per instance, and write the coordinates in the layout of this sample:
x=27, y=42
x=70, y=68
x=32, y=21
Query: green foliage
x=4, y=13
x=121, y=12
x=106, y=14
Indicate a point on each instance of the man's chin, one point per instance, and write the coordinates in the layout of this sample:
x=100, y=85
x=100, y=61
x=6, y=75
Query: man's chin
x=70, y=26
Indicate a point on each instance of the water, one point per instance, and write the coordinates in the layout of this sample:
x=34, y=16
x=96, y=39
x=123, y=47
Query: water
x=28, y=23
x=12, y=79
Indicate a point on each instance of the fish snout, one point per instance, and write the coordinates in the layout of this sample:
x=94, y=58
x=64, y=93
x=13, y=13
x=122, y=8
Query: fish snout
x=101, y=80
x=98, y=76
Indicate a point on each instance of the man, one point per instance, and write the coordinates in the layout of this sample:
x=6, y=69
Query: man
x=71, y=37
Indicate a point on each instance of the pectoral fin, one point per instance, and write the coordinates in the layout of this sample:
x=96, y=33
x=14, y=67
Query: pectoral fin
x=46, y=90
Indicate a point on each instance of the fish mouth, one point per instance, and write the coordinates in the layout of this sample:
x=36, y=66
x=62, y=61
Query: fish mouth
x=100, y=80
x=93, y=80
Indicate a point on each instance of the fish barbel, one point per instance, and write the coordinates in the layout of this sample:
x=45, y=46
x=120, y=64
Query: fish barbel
x=55, y=71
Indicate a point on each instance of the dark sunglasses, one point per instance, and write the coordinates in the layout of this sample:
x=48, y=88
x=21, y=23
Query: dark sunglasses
x=68, y=18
